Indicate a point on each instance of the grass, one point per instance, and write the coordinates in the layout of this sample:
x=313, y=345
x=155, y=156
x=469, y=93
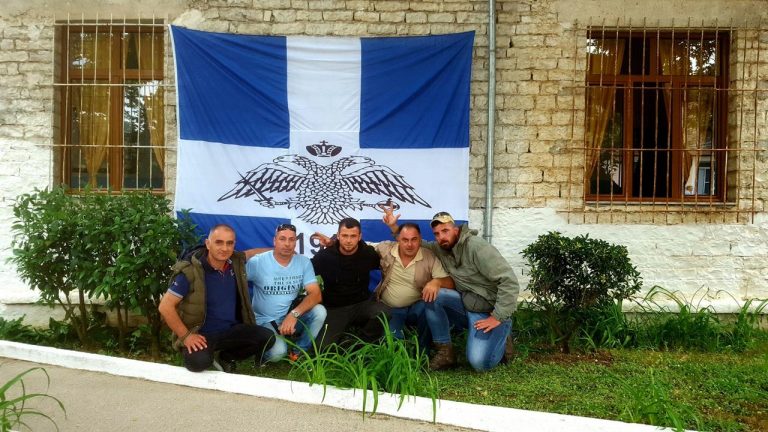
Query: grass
x=687, y=368
x=16, y=404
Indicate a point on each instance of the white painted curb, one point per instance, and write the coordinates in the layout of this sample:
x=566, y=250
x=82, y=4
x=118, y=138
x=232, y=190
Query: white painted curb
x=481, y=417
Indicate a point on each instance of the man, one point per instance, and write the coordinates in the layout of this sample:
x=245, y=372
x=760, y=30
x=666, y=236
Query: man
x=208, y=308
x=483, y=302
x=345, y=269
x=412, y=275
x=278, y=277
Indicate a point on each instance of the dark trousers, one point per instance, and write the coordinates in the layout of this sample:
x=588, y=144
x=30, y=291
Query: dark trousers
x=365, y=315
x=236, y=343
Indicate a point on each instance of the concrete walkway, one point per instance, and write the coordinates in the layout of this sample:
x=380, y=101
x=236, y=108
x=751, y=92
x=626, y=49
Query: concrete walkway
x=117, y=394
x=101, y=402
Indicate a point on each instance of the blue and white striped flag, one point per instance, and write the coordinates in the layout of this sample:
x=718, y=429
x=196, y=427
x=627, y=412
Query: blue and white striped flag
x=309, y=130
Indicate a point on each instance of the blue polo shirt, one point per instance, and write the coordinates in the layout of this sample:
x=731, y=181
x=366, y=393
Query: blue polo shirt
x=220, y=296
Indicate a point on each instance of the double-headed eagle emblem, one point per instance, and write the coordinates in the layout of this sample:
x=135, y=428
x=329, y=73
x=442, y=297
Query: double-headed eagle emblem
x=324, y=193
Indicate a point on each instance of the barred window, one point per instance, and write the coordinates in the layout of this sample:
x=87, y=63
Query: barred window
x=112, y=125
x=656, y=116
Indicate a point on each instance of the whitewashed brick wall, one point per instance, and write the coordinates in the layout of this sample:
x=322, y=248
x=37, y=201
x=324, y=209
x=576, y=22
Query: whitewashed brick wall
x=540, y=67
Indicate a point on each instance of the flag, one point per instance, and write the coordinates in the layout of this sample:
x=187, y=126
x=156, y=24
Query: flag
x=309, y=130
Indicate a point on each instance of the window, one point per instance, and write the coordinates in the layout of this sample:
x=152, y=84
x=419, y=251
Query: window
x=656, y=116
x=112, y=123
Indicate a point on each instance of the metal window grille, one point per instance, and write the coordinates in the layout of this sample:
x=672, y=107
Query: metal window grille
x=669, y=123
x=111, y=87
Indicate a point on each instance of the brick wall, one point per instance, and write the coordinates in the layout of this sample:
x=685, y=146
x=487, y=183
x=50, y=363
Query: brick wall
x=540, y=114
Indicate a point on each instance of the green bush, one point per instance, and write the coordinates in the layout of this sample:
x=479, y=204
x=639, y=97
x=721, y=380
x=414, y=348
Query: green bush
x=571, y=278
x=47, y=238
x=116, y=247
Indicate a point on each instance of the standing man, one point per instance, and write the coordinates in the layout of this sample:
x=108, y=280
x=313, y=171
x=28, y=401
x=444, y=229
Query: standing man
x=412, y=275
x=208, y=308
x=483, y=302
x=345, y=268
x=278, y=278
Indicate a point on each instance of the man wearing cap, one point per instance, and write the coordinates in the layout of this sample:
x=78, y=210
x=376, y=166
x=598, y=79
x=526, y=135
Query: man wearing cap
x=483, y=302
x=278, y=277
x=208, y=308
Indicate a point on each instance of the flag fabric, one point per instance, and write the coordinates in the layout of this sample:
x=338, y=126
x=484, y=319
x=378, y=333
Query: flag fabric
x=309, y=130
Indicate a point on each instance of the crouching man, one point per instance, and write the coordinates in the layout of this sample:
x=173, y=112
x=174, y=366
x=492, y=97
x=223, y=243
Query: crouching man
x=208, y=307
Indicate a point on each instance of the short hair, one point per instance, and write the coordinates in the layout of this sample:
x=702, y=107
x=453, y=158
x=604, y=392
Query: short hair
x=349, y=223
x=408, y=225
x=223, y=226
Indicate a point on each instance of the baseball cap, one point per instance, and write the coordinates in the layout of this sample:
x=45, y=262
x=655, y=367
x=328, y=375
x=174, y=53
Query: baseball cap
x=440, y=218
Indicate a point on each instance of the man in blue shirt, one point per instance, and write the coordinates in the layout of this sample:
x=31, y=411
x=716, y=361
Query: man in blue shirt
x=208, y=308
x=278, y=277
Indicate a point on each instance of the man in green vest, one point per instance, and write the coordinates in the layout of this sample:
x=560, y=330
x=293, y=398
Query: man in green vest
x=208, y=307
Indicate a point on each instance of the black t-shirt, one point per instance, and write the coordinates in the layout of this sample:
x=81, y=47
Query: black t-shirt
x=345, y=277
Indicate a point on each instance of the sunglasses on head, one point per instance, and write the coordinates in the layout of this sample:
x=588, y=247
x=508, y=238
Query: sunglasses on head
x=285, y=226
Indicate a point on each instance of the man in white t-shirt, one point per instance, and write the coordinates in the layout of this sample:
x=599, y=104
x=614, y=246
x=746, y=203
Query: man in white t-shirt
x=278, y=277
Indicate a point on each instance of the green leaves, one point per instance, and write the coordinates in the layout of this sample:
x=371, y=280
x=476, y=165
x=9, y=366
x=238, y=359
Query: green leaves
x=13, y=410
x=116, y=247
x=572, y=277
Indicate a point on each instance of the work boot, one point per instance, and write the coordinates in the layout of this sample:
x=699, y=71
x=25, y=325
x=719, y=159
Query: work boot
x=443, y=358
x=509, y=350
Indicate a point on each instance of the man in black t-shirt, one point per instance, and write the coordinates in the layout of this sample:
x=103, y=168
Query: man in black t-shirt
x=345, y=268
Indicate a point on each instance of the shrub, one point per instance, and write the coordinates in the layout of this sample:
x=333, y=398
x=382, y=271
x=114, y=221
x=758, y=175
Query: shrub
x=47, y=237
x=571, y=278
x=116, y=247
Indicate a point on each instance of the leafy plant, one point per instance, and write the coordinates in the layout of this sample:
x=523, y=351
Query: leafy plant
x=572, y=277
x=143, y=241
x=14, y=409
x=118, y=247
x=16, y=331
x=689, y=325
x=47, y=232
x=394, y=365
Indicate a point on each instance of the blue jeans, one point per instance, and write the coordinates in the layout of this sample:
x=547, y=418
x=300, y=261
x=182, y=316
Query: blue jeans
x=405, y=315
x=307, y=327
x=484, y=350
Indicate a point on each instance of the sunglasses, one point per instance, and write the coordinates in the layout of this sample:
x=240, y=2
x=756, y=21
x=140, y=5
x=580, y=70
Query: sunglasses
x=285, y=226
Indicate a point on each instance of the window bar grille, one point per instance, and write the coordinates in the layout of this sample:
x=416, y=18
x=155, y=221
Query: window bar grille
x=710, y=176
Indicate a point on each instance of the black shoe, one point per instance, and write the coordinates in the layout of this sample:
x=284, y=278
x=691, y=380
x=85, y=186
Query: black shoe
x=228, y=366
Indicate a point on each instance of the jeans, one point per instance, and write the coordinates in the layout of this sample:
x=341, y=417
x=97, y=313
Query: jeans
x=236, y=343
x=412, y=315
x=308, y=326
x=484, y=350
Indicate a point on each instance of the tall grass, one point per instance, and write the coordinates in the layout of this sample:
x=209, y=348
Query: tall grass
x=15, y=409
x=662, y=320
x=393, y=365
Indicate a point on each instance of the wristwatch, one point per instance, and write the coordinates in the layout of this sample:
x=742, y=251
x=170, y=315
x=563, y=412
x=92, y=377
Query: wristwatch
x=295, y=313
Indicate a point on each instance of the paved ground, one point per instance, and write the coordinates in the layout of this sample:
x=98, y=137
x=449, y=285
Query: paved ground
x=102, y=402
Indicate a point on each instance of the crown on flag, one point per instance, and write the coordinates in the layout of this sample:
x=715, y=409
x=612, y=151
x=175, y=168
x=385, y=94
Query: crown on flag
x=323, y=149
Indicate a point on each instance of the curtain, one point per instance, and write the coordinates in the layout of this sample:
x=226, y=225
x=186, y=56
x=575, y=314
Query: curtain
x=697, y=105
x=90, y=51
x=150, y=53
x=605, y=58
x=91, y=103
